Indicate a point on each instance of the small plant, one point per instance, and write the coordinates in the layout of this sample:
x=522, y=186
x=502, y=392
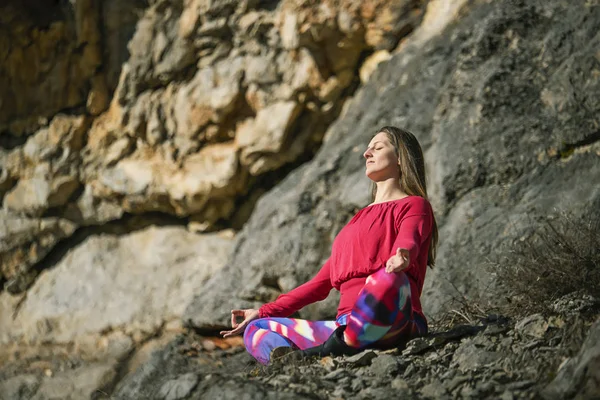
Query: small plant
x=460, y=310
x=561, y=256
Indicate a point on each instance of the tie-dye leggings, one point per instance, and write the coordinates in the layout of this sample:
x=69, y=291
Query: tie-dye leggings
x=382, y=317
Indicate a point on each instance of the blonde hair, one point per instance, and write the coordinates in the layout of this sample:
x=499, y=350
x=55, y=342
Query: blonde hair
x=412, y=174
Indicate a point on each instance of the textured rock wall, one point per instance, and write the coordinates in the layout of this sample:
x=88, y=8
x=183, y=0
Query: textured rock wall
x=56, y=77
x=213, y=99
x=136, y=128
x=504, y=105
x=50, y=61
x=119, y=115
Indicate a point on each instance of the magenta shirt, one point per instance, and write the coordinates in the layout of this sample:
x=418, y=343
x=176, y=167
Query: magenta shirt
x=362, y=247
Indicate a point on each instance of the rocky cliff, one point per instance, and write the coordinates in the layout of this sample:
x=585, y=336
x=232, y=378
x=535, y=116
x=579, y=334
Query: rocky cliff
x=118, y=117
x=162, y=162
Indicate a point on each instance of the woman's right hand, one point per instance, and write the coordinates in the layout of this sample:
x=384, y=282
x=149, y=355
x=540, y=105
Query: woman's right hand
x=248, y=315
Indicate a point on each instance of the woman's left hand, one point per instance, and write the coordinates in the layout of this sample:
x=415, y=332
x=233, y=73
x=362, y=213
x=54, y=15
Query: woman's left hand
x=398, y=262
x=248, y=315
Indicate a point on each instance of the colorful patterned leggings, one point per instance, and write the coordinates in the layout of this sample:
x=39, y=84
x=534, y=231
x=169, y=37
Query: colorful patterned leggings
x=382, y=317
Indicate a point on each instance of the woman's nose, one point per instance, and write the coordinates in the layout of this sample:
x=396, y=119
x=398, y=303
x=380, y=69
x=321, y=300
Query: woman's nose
x=367, y=153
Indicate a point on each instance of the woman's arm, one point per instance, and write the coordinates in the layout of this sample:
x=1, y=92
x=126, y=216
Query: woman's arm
x=414, y=228
x=286, y=304
x=316, y=289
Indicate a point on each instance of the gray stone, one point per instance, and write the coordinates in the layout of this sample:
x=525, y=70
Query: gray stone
x=506, y=395
x=455, y=382
x=156, y=54
x=574, y=303
x=119, y=25
x=336, y=375
x=384, y=366
x=80, y=383
x=19, y=387
x=163, y=365
x=261, y=70
x=418, y=346
x=231, y=390
x=399, y=385
x=339, y=392
x=88, y=210
x=579, y=377
x=179, y=388
x=534, y=326
x=357, y=384
x=373, y=393
x=361, y=359
x=471, y=356
x=434, y=390
x=289, y=31
x=262, y=140
x=520, y=385
x=408, y=372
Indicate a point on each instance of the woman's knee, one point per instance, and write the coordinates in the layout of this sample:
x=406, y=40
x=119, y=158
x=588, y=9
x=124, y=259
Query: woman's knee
x=383, y=281
x=255, y=325
x=384, y=296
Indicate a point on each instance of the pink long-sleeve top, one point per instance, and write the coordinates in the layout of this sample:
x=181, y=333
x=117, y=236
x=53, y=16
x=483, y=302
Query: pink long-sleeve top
x=362, y=247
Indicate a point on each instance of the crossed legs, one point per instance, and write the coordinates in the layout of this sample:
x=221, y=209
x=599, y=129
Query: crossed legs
x=382, y=317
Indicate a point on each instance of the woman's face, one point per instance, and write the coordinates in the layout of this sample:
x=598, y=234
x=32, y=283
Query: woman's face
x=381, y=159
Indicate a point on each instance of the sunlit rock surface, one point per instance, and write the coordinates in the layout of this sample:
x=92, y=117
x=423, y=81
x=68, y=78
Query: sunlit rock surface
x=134, y=134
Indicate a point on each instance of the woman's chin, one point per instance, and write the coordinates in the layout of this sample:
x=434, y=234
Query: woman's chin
x=379, y=176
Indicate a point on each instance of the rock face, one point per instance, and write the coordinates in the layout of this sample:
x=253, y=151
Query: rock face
x=488, y=101
x=181, y=112
x=131, y=132
x=579, y=377
x=46, y=61
x=135, y=283
x=24, y=242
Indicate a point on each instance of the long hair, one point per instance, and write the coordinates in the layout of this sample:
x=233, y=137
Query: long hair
x=412, y=174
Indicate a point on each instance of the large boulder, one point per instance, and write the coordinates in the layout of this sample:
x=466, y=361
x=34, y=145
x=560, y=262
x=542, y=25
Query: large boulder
x=136, y=283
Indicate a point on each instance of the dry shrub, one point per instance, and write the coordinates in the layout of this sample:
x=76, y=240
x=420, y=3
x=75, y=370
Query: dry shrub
x=460, y=309
x=561, y=256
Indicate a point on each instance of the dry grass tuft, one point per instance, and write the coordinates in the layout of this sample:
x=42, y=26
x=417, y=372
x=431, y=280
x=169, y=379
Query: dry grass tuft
x=460, y=310
x=561, y=256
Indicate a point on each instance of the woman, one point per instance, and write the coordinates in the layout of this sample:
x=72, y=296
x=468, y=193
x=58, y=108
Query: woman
x=378, y=263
